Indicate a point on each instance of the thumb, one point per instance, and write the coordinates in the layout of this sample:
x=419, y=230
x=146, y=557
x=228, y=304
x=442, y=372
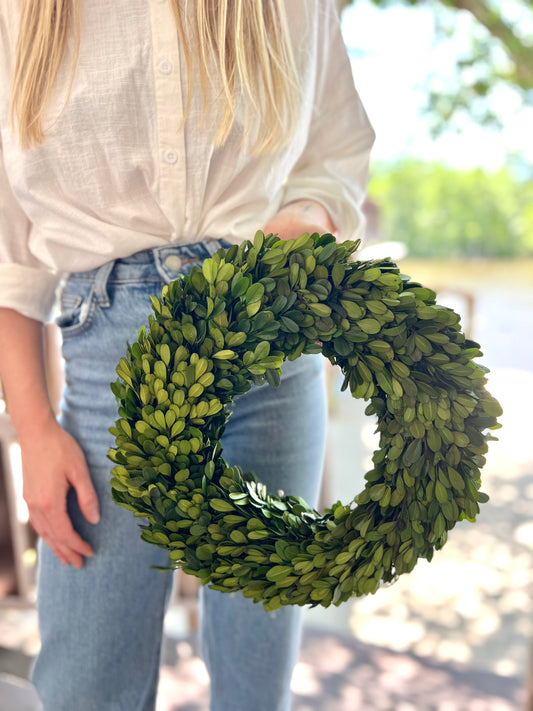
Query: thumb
x=86, y=495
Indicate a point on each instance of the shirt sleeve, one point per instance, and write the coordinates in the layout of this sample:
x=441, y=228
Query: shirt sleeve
x=333, y=166
x=26, y=285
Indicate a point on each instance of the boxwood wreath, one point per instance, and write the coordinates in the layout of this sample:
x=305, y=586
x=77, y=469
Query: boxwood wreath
x=228, y=326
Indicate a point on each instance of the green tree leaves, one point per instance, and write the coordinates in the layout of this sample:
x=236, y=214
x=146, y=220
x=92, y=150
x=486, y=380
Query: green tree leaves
x=438, y=211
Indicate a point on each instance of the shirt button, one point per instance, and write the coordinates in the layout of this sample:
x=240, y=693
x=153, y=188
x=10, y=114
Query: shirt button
x=173, y=262
x=170, y=156
x=165, y=67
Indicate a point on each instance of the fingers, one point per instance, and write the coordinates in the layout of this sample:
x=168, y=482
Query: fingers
x=56, y=530
x=49, y=517
x=67, y=557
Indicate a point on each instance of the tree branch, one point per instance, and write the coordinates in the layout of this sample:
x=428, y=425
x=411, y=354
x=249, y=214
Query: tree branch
x=521, y=54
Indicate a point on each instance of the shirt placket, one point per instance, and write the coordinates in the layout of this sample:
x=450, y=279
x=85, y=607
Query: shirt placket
x=169, y=113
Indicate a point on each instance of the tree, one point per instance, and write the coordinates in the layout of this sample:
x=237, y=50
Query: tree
x=438, y=211
x=501, y=54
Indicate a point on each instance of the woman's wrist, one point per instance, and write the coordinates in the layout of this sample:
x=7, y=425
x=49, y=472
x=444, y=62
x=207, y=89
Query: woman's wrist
x=296, y=218
x=310, y=211
x=32, y=425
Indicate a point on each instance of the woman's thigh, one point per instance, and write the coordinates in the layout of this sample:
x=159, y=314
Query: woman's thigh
x=279, y=434
x=100, y=625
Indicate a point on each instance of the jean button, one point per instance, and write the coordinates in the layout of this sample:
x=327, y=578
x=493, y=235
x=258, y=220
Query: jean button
x=173, y=262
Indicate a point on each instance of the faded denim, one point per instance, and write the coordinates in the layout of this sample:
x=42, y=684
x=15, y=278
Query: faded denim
x=101, y=626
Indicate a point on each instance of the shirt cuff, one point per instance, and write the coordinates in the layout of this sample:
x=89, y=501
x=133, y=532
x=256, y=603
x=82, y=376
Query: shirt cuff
x=29, y=291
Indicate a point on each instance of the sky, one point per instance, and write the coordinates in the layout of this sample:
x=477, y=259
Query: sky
x=391, y=53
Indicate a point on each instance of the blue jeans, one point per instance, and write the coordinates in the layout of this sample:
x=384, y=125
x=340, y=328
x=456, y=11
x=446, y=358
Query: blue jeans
x=101, y=626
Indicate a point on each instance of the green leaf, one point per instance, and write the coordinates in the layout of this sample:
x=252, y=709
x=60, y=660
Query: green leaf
x=369, y=325
x=225, y=354
x=278, y=572
x=254, y=293
x=221, y=505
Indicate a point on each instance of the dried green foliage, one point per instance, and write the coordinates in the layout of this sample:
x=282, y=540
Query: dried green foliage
x=231, y=324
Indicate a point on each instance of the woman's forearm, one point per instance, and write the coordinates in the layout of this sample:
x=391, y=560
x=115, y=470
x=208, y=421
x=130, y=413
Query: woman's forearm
x=52, y=460
x=23, y=373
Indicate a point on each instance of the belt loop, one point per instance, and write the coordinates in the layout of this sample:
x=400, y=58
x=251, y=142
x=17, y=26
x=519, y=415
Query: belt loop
x=157, y=255
x=100, y=283
x=213, y=245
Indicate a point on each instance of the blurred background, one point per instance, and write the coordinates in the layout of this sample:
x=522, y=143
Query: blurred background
x=448, y=86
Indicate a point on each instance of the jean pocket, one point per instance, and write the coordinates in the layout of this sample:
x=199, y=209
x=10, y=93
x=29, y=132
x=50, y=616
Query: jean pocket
x=77, y=310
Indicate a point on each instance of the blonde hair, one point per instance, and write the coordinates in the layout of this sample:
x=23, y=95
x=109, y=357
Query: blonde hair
x=248, y=41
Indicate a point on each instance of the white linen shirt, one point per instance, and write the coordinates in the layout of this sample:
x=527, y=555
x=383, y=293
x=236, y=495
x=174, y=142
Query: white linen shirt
x=117, y=174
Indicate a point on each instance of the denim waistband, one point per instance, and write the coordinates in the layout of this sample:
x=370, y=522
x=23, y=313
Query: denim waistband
x=190, y=250
x=165, y=263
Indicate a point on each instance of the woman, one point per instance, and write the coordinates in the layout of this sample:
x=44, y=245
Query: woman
x=138, y=137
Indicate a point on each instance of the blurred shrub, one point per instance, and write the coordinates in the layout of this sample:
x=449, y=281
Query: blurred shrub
x=438, y=211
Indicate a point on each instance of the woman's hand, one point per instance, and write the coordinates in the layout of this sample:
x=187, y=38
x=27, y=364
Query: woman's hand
x=53, y=463
x=298, y=217
x=52, y=460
